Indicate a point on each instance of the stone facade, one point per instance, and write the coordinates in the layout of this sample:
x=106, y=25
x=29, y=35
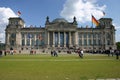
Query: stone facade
x=60, y=33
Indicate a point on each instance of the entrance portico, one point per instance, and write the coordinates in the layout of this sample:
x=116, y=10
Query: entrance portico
x=61, y=39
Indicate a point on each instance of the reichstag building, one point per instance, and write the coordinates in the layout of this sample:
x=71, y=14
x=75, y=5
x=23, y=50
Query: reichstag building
x=59, y=33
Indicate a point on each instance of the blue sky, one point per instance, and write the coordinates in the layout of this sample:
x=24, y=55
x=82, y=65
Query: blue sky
x=34, y=12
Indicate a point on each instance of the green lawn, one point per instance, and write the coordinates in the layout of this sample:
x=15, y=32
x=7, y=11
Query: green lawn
x=63, y=67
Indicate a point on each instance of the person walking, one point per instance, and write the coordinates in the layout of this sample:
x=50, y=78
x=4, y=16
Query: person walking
x=51, y=53
x=0, y=52
x=117, y=54
x=112, y=52
x=11, y=51
x=81, y=52
x=55, y=53
x=5, y=53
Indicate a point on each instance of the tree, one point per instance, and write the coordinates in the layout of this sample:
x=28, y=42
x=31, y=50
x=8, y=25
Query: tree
x=2, y=46
x=118, y=45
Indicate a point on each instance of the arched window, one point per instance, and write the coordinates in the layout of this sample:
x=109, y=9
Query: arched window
x=108, y=36
x=12, y=42
x=13, y=35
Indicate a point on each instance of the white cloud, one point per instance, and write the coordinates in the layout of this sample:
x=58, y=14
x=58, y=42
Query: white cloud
x=5, y=13
x=82, y=9
x=117, y=36
x=117, y=26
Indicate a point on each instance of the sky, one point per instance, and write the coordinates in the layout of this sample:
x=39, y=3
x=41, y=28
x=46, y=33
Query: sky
x=34, y=12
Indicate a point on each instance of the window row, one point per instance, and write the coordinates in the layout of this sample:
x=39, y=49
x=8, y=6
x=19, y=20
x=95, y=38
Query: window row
x=95, y=42
x=89, y=35
x=30, y=35
x=32, y=42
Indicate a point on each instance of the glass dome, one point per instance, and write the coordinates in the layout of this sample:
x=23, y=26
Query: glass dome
x=59, y=20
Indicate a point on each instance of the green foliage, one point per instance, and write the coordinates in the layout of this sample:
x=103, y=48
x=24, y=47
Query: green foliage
x=118, y=45
x=63, y=67
x=2, y=46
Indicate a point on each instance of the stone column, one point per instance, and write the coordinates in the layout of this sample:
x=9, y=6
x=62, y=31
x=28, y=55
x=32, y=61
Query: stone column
x=82, y=38
x=113, y=37
x=87, y=38
x=25, y=39
x=7, y=37
x=64, y=39
x=30, y=41
x=18, y=40
x=53, y=39
x=35, y=39
x=70, y=39
x=7, y=41
x=76, y=39
x=103, y=40
x=48, y=38
x=58, y=39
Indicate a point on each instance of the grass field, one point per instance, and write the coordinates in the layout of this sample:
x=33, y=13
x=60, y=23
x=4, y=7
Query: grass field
x=63, y=67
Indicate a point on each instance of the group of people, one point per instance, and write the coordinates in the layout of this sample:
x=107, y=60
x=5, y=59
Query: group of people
x=54, y=53
x=109, y=52
x=113, y=52
x=117, y=53
x=79, y=51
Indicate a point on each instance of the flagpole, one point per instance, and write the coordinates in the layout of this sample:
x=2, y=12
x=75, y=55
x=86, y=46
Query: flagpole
x=92, y=36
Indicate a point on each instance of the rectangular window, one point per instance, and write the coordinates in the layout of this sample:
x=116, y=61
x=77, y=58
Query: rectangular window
x=85, y=42
x=16, y=22
x=23, y=42
x=94, y=41
x=33, y=42
x=28, y=42
x=89, y=35
x=56, y=39
x=85, y=35
x=23, y=35
x=94, y=35
x=80, y=42
x=99, y=36
x=89, y=42
x=108, y=42
x=99, y=43
x=80, y=35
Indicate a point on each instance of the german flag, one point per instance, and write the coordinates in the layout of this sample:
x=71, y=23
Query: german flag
x=95, y=21
x=18, y=13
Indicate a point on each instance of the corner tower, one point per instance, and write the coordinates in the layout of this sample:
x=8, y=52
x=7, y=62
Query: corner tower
x=108, y=33
x=12, y=32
